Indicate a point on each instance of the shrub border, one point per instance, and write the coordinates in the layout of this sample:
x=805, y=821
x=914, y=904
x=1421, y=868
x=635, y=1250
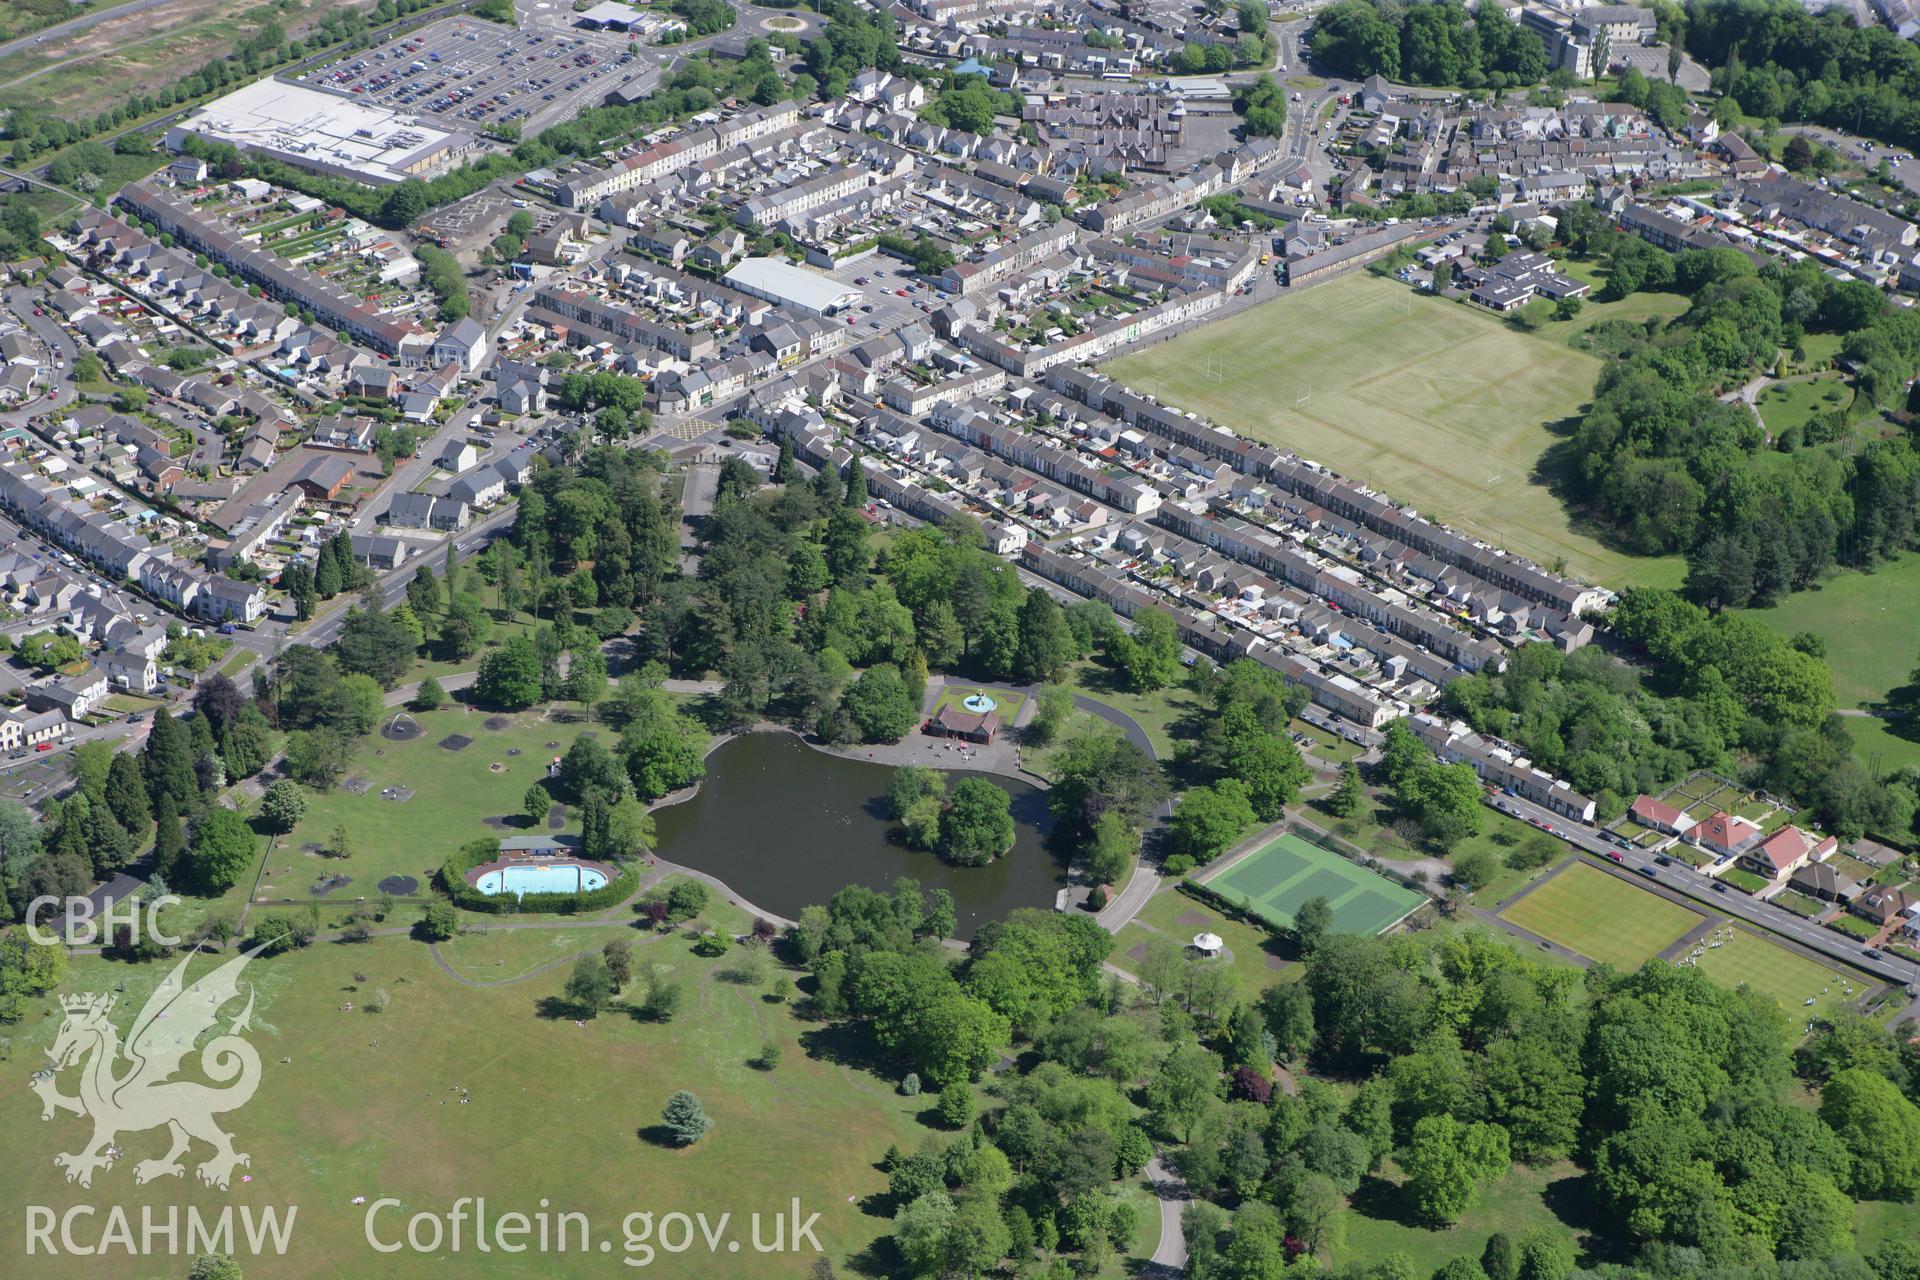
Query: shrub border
x=451, y=880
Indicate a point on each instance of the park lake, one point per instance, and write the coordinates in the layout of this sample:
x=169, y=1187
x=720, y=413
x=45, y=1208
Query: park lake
x=786, y=826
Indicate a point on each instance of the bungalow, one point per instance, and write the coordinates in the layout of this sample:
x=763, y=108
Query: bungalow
x=322, y=479
x=1661, y=817
x=1882, y=905
x=1786, y=851
x=955, y=722
x=1823, y=881
x=1725, y=834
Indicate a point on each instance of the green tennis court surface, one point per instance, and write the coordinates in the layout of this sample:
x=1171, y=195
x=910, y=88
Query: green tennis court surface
x=1276, y=879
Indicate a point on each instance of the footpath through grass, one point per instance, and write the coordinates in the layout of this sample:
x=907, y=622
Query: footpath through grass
x=1434, y=403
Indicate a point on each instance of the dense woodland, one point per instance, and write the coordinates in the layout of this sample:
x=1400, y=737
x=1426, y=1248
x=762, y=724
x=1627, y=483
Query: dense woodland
x=1438, y=1061
x=1668, y=466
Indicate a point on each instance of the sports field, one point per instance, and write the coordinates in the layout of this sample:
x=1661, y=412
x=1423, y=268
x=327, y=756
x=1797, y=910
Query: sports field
x=1276, y=879
x=1804, y=988
x=1602, y=917
x=1434, y=403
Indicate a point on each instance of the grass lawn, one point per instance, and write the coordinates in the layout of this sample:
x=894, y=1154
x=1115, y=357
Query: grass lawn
x=1790, y=978
x=1745, y=881
x=1602, y=917
x=453, y=792
x=1852, y=926
x=1877, y=742
x=1867, y=621
x=1456, y=406
x=1326, y=746
x=1157, y=712
x=358, y=1104
x=1177, y=917
x=1879, y=1222
x=491, y=954
x=128, y=704
x=1635, y=308
x=1800, y=904
x=1785, y=405
x=1383, y=1222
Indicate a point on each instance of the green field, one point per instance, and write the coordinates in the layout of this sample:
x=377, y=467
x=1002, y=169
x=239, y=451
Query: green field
x=1440, y=405
x=1254, y=955
x=1867, y=620
x=1601, y=916
x=1281, y=875
x=353, y=1103
x=1785, y=405
x=453, y=792
x=1788, y=977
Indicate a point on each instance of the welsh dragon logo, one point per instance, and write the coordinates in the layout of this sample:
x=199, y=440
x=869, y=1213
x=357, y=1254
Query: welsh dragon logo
x=142, y=1094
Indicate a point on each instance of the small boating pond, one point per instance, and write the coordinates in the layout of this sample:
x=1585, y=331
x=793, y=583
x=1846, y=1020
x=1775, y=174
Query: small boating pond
x=787, y=826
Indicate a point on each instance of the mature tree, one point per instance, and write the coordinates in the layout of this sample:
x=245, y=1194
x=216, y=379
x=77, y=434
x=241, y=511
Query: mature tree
x=510, y=675
x=318, y=756
x=223, y=848
x=1350, y=796
x=536, y=803
x=590, y=986
x=685, y=1120
x=879, y=705
x=429, y=696
x=1880, y=1128
x=1528, y=1087
x=1112, y=847
x=169, y=839
x=1046, y=646
x=1150, y=655
x=214, y=1266
x=1100, y=771
x=1209, y=819
x=374, y=643
x=1312, y=922
x=1184, y=1089
x=166, y=764
x=977, y=825
x=125, y=794
x=283, y=805
x=219, y=700
x=1444, y=1161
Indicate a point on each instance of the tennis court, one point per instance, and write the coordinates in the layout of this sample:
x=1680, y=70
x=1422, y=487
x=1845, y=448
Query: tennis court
x=1276, y=879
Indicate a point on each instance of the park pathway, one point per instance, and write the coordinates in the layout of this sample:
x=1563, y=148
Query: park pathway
x=1170, y=1256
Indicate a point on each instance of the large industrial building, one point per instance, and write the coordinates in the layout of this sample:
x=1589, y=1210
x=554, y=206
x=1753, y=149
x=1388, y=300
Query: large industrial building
x=324, y=133
x=784, y=284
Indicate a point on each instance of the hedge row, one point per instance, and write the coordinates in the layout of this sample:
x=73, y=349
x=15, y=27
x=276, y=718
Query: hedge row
x=452, y=880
